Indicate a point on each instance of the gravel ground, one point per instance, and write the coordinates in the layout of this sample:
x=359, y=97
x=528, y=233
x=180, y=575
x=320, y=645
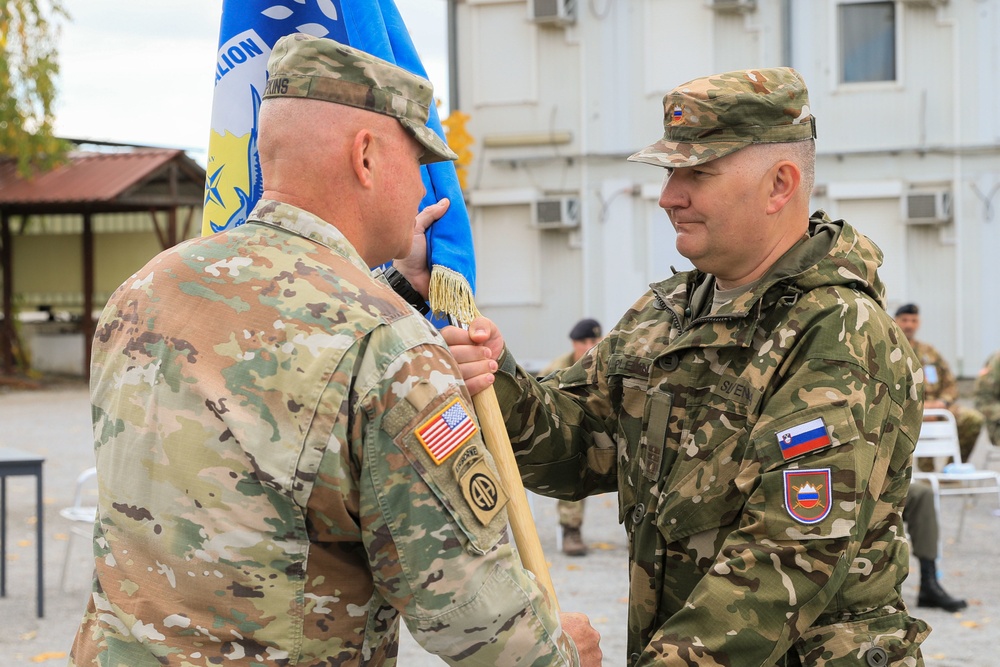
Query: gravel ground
x=54, y=421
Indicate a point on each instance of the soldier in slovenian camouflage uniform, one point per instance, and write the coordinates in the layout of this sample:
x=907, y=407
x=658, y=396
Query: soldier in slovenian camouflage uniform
x=757, y=415
x=287, y=457
x=987, y=393
x=940, y=386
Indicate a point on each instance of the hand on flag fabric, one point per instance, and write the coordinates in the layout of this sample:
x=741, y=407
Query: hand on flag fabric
x=415, y=267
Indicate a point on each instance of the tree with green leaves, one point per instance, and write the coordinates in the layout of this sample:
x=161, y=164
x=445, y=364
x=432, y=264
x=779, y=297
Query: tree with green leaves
x=29, y=33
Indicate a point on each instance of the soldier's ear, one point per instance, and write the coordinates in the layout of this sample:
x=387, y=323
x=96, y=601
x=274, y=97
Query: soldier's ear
x=785, y=178
x=363, y=158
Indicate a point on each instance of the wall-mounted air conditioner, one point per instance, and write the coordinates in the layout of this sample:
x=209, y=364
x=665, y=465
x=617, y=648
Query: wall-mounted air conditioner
x=732, y=5
x=927, y=207
x=556, y=213
x=552, y=12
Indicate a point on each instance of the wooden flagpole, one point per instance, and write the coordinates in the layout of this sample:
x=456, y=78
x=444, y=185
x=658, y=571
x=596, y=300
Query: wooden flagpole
x=522, y=525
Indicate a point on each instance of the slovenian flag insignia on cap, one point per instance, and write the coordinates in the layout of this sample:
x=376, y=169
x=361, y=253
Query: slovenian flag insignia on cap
x=806, y=437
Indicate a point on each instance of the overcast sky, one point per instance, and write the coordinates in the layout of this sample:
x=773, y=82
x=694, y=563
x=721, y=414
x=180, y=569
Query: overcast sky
x=143, y=72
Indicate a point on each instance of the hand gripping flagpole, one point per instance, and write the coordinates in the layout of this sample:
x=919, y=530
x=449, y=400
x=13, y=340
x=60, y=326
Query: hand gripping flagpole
x=522, y=524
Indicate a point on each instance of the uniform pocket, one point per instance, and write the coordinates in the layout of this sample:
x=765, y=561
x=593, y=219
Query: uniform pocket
x=892, y=640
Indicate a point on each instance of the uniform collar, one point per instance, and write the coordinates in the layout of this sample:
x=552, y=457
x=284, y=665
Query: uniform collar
x=303, y=223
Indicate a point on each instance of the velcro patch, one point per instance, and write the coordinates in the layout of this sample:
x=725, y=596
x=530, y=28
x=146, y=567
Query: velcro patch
x=808, y=496
x=480, y=486
x=446, y=430
x=802, y=438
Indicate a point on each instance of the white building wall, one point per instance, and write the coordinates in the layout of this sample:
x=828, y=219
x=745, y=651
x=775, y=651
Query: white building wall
x=556, y=110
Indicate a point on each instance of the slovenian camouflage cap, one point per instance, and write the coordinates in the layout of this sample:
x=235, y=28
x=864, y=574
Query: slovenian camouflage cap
x=322, y=69
x=708, y=118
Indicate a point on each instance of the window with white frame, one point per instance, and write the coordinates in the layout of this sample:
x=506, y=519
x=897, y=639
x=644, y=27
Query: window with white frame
x=867, y=40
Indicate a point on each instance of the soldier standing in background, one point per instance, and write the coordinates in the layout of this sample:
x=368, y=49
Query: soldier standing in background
x=757, y=416
x=940, y=387
x=287, y=458
x=584, y=335
x=987, y=396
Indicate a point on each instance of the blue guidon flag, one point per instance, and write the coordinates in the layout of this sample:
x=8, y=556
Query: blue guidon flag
x=808, y=495
x=249, y=28
x=805, y=437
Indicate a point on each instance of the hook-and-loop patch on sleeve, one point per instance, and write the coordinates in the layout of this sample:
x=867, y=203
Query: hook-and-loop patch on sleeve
x=439, y=436
x=814, y=465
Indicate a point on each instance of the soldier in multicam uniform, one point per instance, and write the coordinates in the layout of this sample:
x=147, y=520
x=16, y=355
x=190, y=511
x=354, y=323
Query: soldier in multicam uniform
x=987, y=393
x=287, y=458
x=940, y=387
x=757, y=415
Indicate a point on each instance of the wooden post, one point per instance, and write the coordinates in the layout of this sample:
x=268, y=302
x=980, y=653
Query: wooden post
x=7, y=327
x=87, y=321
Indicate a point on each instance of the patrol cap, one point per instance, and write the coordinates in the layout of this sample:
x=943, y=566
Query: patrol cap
x=584, y=329
x=708, y=118
x=321, y=69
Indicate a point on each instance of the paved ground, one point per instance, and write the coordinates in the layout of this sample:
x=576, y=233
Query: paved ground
x=55, y=422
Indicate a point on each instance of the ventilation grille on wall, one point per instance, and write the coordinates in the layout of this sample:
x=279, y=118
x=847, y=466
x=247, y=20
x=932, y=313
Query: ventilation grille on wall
x=556, y=213
x=732, y=5
x=927, y=208
x=553, y=12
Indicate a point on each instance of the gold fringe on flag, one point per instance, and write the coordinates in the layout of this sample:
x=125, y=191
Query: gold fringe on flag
x=451, y=295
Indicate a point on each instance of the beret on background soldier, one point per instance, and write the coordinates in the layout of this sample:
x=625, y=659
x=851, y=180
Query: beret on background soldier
x=714, y=116
x=322, y=69
x=584, y=329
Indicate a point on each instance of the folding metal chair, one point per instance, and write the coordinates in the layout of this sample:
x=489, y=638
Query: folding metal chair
x=82, y=517
x=939, y=440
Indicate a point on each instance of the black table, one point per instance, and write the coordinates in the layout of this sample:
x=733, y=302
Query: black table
x=16, y=462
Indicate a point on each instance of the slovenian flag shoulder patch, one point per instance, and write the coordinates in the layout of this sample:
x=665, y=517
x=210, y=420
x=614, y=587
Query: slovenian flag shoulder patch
x=806, y=437
x=446, y=430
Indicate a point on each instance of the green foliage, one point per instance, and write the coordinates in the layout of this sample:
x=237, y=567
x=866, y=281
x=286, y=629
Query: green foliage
x=29, y=65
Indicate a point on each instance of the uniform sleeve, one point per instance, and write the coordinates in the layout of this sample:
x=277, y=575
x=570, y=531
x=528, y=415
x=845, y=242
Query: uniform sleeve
x=829, y=472
x=561, y=428
x=434, y=522
x=987, y=395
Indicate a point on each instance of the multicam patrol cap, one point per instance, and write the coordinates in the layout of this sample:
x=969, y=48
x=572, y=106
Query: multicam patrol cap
x=708, y=118
x=322, y=69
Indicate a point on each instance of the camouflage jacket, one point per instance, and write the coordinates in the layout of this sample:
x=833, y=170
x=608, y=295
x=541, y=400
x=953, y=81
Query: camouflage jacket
x=559, y=363
x=939, y=383
x=287, y=463
x=761, y=454
x=987, y=394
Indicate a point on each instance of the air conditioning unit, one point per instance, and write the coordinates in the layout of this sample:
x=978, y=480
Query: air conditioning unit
x=927, y=207
x=732, y=5
x=552, y=12
x=556, y=213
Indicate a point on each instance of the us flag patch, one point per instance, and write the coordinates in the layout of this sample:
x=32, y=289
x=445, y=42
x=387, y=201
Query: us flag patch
x=446, y=431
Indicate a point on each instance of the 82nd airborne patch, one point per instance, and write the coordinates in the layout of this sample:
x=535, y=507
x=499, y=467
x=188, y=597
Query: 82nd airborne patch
x=807, y=494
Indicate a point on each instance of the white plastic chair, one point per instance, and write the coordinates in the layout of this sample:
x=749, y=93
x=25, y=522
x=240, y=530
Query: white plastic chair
x=939, y=439
x=992, y=455
x=81, y=516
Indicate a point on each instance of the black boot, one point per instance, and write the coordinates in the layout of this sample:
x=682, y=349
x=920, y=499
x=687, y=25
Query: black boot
x=931, y=594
